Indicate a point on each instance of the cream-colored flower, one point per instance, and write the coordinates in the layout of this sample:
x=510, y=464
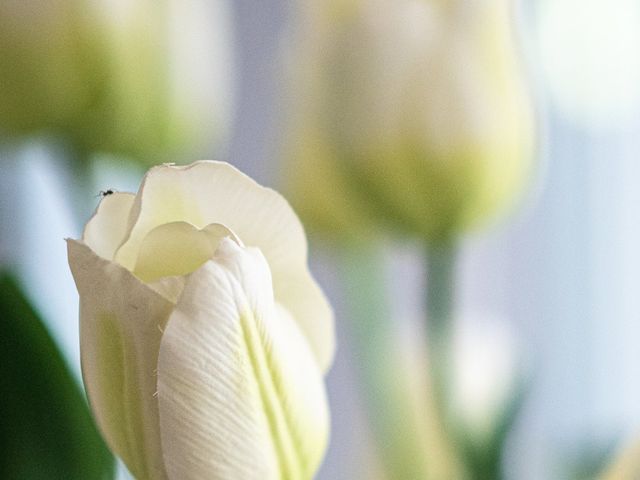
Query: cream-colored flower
x=96, y=73
x=411, y=113
x=204, y=338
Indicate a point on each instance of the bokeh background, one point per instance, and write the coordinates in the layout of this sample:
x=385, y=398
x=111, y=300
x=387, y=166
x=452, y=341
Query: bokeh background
x=552, y=289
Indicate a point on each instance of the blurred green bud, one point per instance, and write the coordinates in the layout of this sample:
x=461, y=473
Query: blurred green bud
x=410, y=112
x=100, y=75
x=52, y=64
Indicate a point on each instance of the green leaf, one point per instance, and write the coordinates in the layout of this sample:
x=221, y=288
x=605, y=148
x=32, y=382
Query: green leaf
x=46, y=430
x=484, y=458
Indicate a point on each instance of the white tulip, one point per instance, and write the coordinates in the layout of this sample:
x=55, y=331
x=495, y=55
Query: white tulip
x=409, y=114
x=203, y=358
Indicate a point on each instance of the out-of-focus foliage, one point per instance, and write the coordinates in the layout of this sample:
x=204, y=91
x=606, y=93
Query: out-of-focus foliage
x=487, y=390
x=407, y=113
x=46, y=430
x=626, y=466
x=484, y=456
x=96, y=74
x=411, y=440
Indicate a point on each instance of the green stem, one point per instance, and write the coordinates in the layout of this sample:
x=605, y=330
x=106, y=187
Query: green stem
x=364, y=282
x=441, y=263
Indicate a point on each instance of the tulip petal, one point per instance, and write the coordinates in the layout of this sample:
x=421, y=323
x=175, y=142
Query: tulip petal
x=215, y=192
x=177, y=248
x=108, y=227
x=121, y=322
x=240, y=393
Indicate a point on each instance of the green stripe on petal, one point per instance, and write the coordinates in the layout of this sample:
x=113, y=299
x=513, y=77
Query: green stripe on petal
x=240, y=393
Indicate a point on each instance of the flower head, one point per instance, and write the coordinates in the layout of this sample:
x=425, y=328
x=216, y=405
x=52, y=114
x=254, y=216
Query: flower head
x=204, y=338
x=411, y=114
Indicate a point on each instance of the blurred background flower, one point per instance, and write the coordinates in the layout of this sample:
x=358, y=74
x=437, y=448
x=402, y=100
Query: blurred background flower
x=121, y=77
x=118, y=84
x=417, y=109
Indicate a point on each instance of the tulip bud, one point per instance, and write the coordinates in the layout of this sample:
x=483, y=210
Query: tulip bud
x=96, y=75
x=204, y=338
x=409, y=112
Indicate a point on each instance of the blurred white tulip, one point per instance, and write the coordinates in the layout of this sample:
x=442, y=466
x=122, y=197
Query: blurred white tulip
x=407, y=112
x=113, y=76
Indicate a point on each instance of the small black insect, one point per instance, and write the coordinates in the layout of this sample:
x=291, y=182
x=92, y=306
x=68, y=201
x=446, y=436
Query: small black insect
x=104, y=193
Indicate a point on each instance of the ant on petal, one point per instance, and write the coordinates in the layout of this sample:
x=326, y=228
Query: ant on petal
x=105, y=193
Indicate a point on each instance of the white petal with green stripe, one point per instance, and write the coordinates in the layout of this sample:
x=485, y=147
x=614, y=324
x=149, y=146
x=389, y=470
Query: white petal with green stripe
x=121, y=322
x=240, y=393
